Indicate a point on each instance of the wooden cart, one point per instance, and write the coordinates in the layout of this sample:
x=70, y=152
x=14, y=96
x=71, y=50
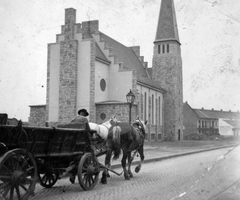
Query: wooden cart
x=29, y=154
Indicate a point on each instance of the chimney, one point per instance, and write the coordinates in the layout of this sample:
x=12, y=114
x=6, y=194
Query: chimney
x=70, y=20
x=90, y=26
x=70, y=16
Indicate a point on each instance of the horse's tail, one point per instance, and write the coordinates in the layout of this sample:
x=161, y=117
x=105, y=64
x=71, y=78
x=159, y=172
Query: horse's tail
x=116, y=142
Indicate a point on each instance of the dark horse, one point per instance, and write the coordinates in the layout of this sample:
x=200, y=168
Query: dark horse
x=128, y=138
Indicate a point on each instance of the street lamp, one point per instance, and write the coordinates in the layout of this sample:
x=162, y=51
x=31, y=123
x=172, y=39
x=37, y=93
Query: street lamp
x=130, y=99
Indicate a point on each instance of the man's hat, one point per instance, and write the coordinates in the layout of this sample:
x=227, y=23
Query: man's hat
x=85, y=112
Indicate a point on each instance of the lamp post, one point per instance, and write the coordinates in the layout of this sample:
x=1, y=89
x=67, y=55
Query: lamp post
x=130, y=99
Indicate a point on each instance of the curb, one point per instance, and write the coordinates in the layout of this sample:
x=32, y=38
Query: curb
x=174, y=156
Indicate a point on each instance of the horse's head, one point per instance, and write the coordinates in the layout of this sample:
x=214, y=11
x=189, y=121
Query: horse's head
x=142, y=124
x=113, y=120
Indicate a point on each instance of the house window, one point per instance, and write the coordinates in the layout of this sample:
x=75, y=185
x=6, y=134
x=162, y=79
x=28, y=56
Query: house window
x=163, y=48
x=159, y=49
x=167, y=48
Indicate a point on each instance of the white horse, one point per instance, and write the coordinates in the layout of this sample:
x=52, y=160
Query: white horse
x=102, y=129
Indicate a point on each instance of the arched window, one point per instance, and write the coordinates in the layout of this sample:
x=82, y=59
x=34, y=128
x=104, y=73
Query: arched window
x=152, y=109
x=159, y=101
x=145, y=106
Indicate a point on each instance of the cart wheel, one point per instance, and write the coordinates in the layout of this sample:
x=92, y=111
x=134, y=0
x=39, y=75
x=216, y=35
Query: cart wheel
x=88, y=171
x=18, y=175
x=48, y=179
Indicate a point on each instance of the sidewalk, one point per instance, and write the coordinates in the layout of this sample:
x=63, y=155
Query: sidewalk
x=158, y=150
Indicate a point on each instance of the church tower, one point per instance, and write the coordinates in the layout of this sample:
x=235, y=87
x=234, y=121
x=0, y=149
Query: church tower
x=167, y=70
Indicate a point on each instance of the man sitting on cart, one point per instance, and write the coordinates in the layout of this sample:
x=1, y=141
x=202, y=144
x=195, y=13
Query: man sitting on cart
x=81, y=119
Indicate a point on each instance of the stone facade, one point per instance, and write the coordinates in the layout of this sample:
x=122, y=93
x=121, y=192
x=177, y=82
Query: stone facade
x=37, y=115
x=120, y=110
x=68, y=70
x=92, y=83
x=167, y=70
x=68, y=80
x=83, y=56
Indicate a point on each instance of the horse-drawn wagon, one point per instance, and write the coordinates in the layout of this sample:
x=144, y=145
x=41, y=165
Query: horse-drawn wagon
x=44, y=154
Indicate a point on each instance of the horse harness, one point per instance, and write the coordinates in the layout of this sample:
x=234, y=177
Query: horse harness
x=138, y=134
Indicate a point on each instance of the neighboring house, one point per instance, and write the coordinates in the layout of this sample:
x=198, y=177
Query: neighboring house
x=190, y=120
x=88, y=69
x=229, y=127
x=202, y=122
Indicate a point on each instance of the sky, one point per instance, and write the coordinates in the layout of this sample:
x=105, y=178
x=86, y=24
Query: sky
x=209, y=33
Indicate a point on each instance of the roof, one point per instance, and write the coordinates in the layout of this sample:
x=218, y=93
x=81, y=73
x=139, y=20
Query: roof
x=167, y=23
x=127, y=57
x=149, y=82
x=233, y=123
x=215, y=114
x=187, y=106
x=149, y=70
x=98, y=53
x=124, y=54
x=37, y=105
x=110, y=102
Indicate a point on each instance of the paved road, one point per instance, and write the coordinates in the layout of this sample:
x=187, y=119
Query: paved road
x=199, y=176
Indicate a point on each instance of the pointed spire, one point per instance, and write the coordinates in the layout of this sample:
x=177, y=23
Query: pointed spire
x=167, y=23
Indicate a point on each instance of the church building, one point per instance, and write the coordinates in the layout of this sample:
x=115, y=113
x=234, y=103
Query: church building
x=89, y=69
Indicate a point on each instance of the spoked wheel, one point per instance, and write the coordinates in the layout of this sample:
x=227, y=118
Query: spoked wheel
x=48, y=179
x=18, y=175
x=88, y=171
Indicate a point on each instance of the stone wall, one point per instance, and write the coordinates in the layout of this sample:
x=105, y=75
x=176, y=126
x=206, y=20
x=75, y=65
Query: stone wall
x=120, y=110
x=37, y=115
x=167, y=70
x=68, y=70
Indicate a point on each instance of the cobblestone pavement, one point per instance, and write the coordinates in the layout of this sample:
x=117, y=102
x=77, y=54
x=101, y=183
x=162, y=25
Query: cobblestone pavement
x=204, y=175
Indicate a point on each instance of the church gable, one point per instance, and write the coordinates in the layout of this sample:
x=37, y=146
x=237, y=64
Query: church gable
x=124, y=55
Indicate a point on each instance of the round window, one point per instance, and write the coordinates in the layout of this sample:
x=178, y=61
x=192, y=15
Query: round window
x=103, y=84
x=103, y=116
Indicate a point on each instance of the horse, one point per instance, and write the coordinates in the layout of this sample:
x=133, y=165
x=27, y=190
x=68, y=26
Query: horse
x=129, y=138
x=102, y=129
x=99, y=131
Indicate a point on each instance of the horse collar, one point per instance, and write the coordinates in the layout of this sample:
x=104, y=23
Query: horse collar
x=105, y=126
